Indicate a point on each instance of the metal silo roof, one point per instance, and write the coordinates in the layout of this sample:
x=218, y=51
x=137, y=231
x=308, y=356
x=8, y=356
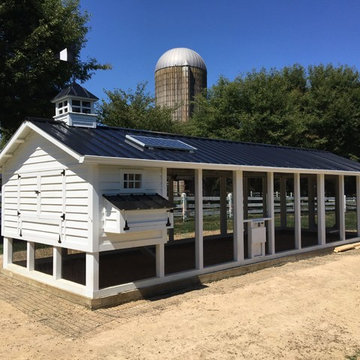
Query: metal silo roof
x=180, y=57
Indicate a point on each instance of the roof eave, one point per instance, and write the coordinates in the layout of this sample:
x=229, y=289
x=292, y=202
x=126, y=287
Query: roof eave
x=19, y=137
x=55, y=100
x=108, y=160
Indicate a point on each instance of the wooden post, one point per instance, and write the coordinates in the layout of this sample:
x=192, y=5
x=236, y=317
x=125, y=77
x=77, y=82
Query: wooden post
x=92, y=273
x=270, y=212
x=160, y=260
x=341, y=207
x=8, y=251
x=297, y=210
x=238, y=215
x=30, y=256
x=223, y=206
x=321, y=209
x=57, y=262
x=283, y=214
x=199, y=245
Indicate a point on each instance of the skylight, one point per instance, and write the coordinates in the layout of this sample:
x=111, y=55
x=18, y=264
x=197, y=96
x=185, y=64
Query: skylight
x=159, y=143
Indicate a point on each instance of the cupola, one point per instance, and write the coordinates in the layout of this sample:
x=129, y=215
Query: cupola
x=74, y=105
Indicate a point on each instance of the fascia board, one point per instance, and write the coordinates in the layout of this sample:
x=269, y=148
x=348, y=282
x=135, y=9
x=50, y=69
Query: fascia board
x=26, y=125
x=66, y=97
x=21, y=131
x=57, y=143
x=107, y=160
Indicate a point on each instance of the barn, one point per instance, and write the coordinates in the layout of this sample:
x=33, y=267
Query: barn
x=96, y=211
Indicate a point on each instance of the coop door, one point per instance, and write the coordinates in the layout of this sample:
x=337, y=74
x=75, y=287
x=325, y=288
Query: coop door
x=51, y=195
x=28, y=195
x=41, y=205
x=41, y=195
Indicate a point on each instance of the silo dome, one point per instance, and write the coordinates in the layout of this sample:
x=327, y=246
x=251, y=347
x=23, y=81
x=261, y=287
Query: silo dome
x=180, y=75
x=180, y=57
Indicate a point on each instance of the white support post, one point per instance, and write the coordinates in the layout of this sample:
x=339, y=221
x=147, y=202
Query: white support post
x=321, y=209
x=223, y=206
x=30, y=256
x=160, y=260
x=164, y=182
x=264, y=198
x=341, y=207
x=8, y=251
x=311, y=203
x=94, y=208
x=246, y=196
x=238, y=199
x=297, y=210
x=199, y=246
x=57, y=263
x=171, y=198
x=358, y=204
x=92, y=273
x=271, y=212
x=337, y=203
x=283, y=202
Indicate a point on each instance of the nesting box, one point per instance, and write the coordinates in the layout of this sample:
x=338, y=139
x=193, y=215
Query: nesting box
x=128, y=213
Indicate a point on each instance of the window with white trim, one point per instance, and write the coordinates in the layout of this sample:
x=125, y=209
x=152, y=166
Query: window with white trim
x=80, y=106
x=62, y=107
x=132, y=181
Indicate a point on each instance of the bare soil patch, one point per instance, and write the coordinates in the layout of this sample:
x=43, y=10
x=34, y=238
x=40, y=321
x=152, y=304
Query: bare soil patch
x=309, y=309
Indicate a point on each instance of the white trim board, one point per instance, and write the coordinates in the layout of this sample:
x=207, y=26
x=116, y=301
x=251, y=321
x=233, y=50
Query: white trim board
x=23, y=131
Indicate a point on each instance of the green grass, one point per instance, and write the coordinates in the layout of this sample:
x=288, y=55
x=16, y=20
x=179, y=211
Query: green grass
x=212, y=223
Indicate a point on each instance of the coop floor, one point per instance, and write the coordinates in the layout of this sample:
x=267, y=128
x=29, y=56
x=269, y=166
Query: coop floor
x=123, y=266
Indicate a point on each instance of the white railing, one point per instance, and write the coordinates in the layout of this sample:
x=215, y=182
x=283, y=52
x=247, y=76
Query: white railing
x=185, y=205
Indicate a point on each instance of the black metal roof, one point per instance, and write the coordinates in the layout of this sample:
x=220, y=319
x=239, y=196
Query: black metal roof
x=139, y=201
x=110, y=142
x=75, y=90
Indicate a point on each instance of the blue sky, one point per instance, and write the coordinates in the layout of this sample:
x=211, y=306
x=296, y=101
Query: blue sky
x=233, y=37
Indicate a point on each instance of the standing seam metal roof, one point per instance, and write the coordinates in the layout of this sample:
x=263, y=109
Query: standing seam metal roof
x=110, y=142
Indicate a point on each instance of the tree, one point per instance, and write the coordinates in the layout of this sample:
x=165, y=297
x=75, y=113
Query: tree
x=136, y=110
x=32, y=33
x=318, y=107
x=333, y=106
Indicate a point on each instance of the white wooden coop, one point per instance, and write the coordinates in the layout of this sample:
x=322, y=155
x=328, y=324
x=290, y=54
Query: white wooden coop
x=83, y=191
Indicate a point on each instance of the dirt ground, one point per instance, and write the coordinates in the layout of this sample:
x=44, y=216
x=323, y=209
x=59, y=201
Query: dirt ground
x=309, y=309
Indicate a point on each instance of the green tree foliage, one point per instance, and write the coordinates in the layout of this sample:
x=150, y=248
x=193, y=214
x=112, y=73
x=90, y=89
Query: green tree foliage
x=318, y=107
x=32, y=33
x=136, y=110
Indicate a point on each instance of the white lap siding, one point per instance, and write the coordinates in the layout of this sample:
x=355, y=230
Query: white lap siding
x=111, y=181
x=45, y=196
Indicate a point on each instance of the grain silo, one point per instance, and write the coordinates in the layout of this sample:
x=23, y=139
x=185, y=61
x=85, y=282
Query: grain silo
x=180, y=74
